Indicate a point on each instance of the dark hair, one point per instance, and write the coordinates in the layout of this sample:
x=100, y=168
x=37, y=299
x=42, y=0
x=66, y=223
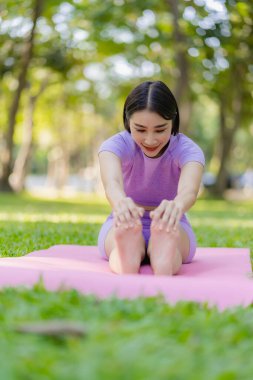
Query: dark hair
x=154, y=96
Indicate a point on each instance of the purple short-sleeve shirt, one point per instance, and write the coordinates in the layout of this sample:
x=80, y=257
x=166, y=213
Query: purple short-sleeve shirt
x=150, y=180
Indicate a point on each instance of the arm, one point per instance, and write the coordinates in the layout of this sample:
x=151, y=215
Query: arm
x=169, y=213
x=111, y=175
x=112, y=179
x=189, y=184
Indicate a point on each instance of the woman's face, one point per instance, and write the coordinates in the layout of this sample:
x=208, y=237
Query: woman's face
x=150, y=131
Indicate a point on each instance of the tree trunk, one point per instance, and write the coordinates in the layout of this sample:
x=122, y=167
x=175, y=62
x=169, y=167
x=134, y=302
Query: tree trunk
x=58, y=167
x=227, y=134
x=8, y=151
x=181, y=89
x=17, y=178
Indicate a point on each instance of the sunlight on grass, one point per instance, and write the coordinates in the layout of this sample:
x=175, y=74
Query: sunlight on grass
x=58, y=197
x=30, y=223
x=86, y=208
x=90, y=218
x=59, y=218
x=222, y=205
x=228, y=222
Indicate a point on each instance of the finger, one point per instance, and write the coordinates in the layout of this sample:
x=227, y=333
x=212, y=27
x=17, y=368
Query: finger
x=178, y=215
x=176, y=225
x=155, y=224
x=116, y=221
x=178, y=218
x=135, y=213
x=157, y=213
x=137, y=221
x=131, y=207
x=140, y=211
x=172, y=220
x=124, y=219
x=152, y=213
x=127, y=215
x=126, y=224
x=167, y=212
x=129, y=219
x=122, y=215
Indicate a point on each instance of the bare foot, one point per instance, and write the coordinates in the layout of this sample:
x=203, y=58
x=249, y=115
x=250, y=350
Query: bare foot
x=165, y=257
x=129, y=251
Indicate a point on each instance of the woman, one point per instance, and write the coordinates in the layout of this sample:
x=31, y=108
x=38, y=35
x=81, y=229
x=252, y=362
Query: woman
x=151, y=175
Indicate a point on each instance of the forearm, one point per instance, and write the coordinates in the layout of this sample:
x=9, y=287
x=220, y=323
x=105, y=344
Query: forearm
x=186, y=199
x=114, y=193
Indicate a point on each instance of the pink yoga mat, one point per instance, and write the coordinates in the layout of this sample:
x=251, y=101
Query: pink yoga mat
x=220, y=277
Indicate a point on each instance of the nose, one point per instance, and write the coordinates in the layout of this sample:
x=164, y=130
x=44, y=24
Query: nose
x=150, y=140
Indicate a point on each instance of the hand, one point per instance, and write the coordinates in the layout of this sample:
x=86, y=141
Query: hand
x=127, y=212
x=167, y=215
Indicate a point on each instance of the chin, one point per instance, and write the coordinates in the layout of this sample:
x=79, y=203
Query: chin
x=153, y=154
x=157, y=153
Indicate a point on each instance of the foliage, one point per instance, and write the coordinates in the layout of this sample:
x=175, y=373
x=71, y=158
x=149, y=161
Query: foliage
x=92, y=53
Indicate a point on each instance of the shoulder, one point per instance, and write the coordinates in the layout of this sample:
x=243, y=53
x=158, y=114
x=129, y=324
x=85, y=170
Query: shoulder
x=184, y=150
x=185, y=142
x=120, y=144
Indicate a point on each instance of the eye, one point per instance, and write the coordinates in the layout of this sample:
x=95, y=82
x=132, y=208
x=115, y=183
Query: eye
x=140, y=130
x=161, y=131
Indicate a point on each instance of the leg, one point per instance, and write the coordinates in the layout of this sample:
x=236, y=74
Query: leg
x=168, y=250
x=125, y=248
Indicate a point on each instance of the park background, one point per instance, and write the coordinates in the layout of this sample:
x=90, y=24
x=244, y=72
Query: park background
x=66, y=68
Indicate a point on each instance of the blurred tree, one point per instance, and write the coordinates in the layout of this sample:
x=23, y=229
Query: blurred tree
x=225, y=64
x=21, y=165
x=26, y=59
x=94, y=52
x=234, y=86
x=181, y=43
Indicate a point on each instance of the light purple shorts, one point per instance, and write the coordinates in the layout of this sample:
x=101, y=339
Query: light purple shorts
x=146, y=221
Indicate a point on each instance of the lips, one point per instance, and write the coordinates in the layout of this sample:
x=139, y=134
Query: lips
x=151, y=149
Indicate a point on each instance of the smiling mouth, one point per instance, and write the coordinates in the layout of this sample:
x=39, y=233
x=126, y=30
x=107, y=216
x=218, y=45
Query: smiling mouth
x=151, y=149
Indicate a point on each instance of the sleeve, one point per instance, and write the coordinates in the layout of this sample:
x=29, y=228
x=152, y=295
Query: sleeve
x=119, y=145
x=189, y=151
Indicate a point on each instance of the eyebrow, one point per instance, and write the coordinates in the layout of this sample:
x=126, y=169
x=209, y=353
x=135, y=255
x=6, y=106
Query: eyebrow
x=156, y=126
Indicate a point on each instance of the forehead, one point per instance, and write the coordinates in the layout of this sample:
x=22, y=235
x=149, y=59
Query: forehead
x=148, y=118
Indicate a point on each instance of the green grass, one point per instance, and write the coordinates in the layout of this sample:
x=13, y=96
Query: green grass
x=138, y=339
x=28, y=224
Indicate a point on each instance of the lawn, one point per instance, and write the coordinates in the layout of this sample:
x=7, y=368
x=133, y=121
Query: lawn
x=139, y=339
